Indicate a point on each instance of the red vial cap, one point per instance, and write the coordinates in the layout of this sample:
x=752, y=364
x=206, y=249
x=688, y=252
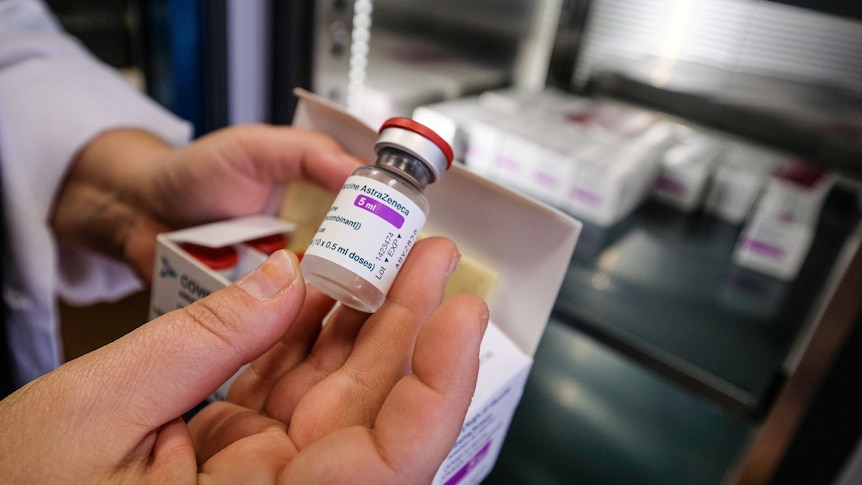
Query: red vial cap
x=214, y=258
x=269, y=244
x=418, y=128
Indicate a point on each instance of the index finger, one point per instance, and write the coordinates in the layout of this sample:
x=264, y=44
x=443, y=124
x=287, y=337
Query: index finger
x=381, y=353
x=422, y=416
x=287, y=153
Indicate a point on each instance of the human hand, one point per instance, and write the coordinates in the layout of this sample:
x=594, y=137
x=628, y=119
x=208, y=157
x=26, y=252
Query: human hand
x=354, y=401
x=127, y=185
x=341, y=390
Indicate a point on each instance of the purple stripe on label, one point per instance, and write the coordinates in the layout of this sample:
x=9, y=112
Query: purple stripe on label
x=474, y=150
x=584, y=196
x=460, y=474
x=546, y=180
x=670, y=185
x=509, y=164
x=764, y=248
x=379, y=209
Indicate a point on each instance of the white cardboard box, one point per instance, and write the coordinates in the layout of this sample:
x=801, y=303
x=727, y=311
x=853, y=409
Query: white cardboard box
x=610, y=183
x=180, y=279
x=686, y=169
x=525, y=243
x=741, y=171
x=448, y=118
x=776, y=238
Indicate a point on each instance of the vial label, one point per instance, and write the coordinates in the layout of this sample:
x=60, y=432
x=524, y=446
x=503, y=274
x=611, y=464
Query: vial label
x=369, y=230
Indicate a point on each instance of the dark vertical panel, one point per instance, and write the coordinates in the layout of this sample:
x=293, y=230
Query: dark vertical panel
x=292, y=45
x=183, y=48
x=833, y=425
x=214, y=85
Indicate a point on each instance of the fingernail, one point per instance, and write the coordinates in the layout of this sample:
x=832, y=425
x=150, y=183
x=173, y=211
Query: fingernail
x=274, y=275
x=453, y=263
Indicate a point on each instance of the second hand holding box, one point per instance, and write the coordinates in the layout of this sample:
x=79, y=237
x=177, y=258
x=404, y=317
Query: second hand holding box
x=523, y=244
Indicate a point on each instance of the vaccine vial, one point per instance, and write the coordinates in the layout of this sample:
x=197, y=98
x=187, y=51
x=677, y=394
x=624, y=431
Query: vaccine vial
x=376, y=218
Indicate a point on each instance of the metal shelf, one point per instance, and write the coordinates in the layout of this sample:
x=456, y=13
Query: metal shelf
x=589, y=416
x=661, y=288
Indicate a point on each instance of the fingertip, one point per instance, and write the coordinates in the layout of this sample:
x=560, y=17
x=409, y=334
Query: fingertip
x=344, y=164
x=456, y=328
x=326, y=162
x=431, y=403
x=421, y=283
x=350, y=161
x=276, y=274
x=474, y=314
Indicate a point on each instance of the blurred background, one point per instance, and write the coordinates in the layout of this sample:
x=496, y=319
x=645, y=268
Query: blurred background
x=707, y=331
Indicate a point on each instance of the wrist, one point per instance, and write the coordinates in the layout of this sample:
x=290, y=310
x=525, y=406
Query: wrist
x=100, y=206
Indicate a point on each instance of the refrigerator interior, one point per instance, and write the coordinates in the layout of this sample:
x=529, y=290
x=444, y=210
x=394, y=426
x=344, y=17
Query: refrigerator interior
x=664, y=360
x=680, y=315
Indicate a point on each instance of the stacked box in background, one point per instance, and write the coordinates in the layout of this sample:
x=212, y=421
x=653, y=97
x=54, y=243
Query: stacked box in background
x=777, y=236
x=686, y=169
x=595, y=159
x=742, y=170
x=600, y=159
x=612, y=182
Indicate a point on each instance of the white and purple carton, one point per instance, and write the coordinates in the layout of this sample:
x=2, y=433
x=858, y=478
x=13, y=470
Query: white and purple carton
x=596, y=159
x=686, y=170
x=741, y=171
x=614, y=178
x=776, y=238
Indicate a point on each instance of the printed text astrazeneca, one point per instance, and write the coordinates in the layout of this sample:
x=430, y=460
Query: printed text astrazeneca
x=381, y=196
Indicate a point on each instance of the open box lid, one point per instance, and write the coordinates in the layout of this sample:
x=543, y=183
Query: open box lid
x=232, y=231
x=525, y=242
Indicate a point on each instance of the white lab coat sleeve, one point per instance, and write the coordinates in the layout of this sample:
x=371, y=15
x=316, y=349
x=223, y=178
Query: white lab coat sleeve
x=54, y=98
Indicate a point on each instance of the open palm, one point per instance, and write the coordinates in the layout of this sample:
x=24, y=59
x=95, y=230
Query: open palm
x=351, y=401
x=361, y=399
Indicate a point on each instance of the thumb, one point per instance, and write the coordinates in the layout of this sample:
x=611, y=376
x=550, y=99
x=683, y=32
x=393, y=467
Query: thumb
x=170, y=364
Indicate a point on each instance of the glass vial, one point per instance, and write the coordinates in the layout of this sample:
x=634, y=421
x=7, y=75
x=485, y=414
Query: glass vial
x=376, y=217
